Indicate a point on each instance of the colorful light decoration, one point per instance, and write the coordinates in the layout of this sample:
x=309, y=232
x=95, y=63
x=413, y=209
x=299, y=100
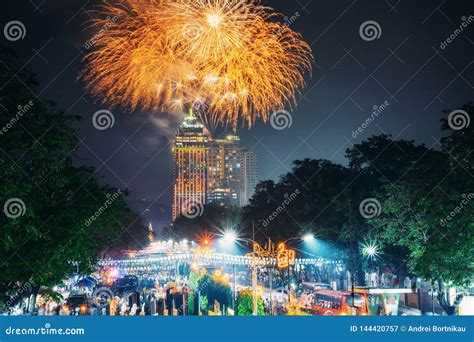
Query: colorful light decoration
x=285, y=257
x=261, y=256
x=220, y=277
x=205, y=255
x=205, y=239
x=202, y=252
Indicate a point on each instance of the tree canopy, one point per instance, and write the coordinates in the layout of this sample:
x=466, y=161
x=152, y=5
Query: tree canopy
x=54, y=213
x=424, y=220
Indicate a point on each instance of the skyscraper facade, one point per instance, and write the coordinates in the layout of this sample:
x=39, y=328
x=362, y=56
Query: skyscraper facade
x=190, y=152
x=210, y=171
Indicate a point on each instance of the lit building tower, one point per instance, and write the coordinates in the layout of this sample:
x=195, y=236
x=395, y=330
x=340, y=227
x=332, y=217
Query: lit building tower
x=224, y=174
x=151, y=233
x=249, y=175
x=190, y=154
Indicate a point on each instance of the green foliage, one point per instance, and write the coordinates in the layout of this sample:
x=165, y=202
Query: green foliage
x=440, y=251
x=191, y=299
x=68, y=214
x=459, y=144
x=215, y=291
x=418, y=187
x=134, y=236
x=303, y=200
x=203, y=303
x=244, y=304
x=194, y=281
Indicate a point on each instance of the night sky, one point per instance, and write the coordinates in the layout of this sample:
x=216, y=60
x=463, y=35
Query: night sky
x=406, y=67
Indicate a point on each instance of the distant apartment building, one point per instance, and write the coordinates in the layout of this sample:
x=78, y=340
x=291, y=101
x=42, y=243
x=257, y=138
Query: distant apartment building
x=249, y=175
x=224, y=172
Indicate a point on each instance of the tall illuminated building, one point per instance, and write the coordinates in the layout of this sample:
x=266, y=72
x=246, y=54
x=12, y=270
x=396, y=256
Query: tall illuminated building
x=210, y=171
x=190, y=152
x=223, y=172
x=151, y=233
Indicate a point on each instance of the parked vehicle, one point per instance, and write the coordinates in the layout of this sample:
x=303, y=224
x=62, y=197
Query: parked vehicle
x=78, y=305
x=126, y=284
x=339, y=303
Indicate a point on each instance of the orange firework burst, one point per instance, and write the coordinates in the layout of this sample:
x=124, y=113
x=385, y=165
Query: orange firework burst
x=230, y=56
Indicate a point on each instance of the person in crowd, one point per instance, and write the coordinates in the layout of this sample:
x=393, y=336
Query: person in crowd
x=169, y=302
x=161, y=306
x=93, y=310
x=178, y=302
x=42, y=310
x=133, y=310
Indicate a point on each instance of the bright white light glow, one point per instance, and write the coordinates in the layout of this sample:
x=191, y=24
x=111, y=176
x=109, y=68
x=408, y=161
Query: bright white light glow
x=308, y=238
x=214, y=19
x=230, y=237
x=371, y=250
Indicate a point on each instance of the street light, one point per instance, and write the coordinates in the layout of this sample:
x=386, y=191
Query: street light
x=229, y=237
x=370, y=249
x=308, y=238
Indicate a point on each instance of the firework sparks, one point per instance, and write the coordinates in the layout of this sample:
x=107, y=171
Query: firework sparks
x=169, y=55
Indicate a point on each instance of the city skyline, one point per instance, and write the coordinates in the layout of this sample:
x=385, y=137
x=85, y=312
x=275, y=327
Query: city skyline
x=350, y=78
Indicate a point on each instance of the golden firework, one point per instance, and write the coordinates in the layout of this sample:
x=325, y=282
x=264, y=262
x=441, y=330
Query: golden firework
x=229, y=58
